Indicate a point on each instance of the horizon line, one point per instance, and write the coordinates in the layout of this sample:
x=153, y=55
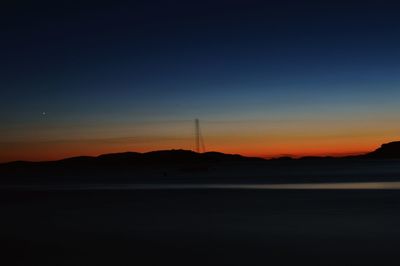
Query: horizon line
x=266, y=157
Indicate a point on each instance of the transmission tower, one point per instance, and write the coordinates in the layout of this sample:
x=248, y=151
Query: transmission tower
x=199, y=142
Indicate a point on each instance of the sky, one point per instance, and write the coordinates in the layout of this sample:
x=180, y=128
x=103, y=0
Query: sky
x=265, y=78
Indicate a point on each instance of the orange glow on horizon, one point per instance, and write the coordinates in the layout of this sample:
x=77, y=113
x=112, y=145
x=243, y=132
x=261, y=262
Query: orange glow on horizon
x=55, y=151
x=266, y=140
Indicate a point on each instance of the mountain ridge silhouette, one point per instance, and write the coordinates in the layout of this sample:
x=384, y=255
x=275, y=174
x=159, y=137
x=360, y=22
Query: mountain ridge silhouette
x=189, y=165
x=390, y=150
x=159, y=155
x=154, y=163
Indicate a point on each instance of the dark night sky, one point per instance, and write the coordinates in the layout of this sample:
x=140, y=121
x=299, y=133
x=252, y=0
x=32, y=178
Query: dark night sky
x=267, y=77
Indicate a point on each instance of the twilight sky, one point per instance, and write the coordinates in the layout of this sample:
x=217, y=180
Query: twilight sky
x=266, y=78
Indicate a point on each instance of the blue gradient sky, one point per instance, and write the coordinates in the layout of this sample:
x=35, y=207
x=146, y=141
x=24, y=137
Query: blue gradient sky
x=265, y=77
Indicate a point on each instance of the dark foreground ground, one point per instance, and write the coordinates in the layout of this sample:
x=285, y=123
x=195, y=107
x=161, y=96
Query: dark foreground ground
x=200, y=227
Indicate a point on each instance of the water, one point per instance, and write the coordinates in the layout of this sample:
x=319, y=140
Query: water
x=203, y=224
x=394, y=185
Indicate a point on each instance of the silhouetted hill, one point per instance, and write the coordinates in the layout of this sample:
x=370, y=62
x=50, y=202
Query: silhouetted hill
x=128, y=164
x=133, y=158
x=188, y=166
x=386, y=151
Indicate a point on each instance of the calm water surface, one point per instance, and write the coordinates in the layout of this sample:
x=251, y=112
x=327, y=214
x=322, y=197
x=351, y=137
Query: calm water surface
x=342, y=185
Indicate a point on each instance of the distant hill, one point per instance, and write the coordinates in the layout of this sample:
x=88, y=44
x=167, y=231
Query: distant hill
x=386, y=151
x=187, y=166
x=82, y=168
x=133, y=158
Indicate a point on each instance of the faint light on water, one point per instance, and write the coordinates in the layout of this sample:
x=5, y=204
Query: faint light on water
x=350, y=185
x=313, y=186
